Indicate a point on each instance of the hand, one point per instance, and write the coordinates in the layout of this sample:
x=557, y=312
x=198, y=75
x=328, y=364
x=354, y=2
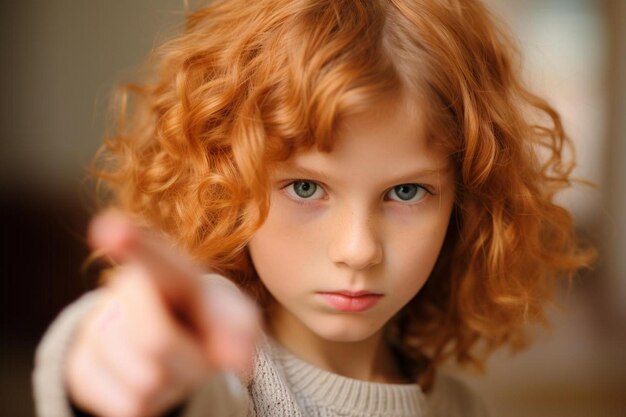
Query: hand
x=159, y=331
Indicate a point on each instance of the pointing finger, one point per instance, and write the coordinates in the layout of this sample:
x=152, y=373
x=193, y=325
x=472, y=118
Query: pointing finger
x=174, y=276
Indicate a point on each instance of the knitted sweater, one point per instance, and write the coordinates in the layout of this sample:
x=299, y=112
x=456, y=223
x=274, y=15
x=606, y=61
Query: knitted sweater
x=281, y=385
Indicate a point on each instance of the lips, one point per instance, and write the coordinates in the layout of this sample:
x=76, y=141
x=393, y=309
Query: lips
x=351, y=301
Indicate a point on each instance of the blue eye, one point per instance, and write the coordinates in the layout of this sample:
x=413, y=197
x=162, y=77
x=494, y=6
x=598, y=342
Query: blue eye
x=408, y=192
x=303, y=189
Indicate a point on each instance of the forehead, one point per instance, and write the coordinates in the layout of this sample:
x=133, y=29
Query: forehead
x=389, y=122
x=386, y=141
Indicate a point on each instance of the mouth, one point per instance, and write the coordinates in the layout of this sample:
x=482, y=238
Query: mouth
x=350, y=301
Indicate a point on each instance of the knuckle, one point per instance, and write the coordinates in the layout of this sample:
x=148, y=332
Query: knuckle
x=149, y=382
x=99, y=323
x=110, y=407
x=132, y=407
x=157, y=343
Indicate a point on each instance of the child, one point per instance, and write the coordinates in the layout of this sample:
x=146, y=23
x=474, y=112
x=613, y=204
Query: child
x=372, y=174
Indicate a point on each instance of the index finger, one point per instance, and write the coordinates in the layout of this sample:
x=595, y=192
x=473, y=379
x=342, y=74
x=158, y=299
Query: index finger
x=174, y=275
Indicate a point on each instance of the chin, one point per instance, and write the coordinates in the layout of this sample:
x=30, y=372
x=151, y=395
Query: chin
x=344, y=329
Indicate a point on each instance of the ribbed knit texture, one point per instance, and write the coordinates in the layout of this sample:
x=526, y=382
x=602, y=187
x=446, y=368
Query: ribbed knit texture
x=269, y=393
x=324, y=394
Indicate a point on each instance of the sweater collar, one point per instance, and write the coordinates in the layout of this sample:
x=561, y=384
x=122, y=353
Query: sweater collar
x=328, y=389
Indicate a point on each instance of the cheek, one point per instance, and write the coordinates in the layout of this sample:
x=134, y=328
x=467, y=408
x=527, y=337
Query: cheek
x=282, y=248
x=413, y=253
x=415, y=257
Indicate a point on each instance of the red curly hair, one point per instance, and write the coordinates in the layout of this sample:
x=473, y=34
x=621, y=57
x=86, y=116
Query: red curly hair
x=250, y=83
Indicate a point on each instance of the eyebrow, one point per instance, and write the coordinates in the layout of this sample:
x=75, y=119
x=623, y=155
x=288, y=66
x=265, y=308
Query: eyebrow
x=310, y=172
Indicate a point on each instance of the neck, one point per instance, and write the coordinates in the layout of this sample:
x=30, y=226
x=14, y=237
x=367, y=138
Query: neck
x=369, y=359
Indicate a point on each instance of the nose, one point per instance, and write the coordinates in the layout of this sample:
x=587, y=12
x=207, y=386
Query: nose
x=355, y=242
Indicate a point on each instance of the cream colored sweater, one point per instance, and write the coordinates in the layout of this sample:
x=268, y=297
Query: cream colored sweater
x=281, y=385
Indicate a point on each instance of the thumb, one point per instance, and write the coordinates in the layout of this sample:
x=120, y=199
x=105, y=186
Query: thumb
x=235, y=325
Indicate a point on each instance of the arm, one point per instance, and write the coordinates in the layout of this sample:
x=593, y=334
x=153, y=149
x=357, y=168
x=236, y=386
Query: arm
x=49, y=391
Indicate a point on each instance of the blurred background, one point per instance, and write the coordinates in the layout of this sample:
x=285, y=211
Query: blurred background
x=60, y=62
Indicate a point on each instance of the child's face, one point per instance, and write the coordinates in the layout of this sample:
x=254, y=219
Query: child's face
x=350, y=225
